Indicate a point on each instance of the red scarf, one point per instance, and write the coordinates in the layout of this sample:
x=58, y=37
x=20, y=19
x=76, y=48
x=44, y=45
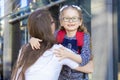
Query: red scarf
x=79, y=37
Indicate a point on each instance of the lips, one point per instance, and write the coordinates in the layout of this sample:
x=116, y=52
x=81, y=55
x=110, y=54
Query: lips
x=71, y=25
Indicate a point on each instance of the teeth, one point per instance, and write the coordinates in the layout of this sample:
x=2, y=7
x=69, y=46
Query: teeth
x=71, y=25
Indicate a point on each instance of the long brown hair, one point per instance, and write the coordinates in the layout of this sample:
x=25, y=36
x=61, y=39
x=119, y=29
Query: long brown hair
x=39, y=26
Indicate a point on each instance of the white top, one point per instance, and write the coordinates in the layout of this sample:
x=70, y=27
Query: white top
x=48, y=66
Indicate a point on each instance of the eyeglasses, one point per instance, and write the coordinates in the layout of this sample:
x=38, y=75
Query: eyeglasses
x=72, y=19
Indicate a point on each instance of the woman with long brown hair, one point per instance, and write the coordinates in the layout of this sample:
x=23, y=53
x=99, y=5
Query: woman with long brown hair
x=40, y=64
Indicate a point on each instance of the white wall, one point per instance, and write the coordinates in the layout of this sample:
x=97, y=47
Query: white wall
x=7, y=51
x=101, y=30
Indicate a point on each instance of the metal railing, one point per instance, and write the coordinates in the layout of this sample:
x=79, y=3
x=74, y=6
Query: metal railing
x=42, y=7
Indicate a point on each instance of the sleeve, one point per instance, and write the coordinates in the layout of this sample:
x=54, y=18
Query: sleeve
x=72, y=64
x=85, y=51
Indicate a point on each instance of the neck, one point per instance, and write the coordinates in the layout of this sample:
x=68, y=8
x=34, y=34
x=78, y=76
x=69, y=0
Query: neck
x=71, y=33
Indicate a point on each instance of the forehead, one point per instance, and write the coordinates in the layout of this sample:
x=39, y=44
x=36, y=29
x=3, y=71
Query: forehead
x=70, y=11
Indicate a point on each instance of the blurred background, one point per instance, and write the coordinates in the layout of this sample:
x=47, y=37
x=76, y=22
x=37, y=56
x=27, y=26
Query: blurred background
x=101, y=17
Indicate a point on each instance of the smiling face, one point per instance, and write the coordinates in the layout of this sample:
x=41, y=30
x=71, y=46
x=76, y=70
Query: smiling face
x=70, y=19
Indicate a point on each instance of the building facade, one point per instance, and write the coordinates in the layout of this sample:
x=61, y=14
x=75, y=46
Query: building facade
x=101, y=18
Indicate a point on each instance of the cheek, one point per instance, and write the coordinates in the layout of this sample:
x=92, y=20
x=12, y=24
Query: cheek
x=62, y=23
x=79, y=23
x=53, y=28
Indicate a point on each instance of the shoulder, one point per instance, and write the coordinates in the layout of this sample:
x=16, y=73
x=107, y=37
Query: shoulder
x=56, y=46
x=86, y=36
x=87, y=39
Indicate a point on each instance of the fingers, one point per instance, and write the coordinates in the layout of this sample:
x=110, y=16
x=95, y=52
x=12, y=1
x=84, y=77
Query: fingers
x=57, y=52
x=60, y=52
x=57, y=55
x=35, y=43
x=33, y=47
x=61, y=58
x=39, y=40
x=37, y=46
x=62, y=48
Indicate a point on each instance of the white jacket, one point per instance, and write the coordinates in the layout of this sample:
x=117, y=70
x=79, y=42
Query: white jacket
x=48, y=66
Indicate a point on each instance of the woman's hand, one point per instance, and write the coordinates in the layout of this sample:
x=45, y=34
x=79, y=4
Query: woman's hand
x=35, y=43
x=62, y=52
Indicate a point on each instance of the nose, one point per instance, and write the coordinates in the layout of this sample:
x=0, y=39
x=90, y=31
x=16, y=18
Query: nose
x=70, y=20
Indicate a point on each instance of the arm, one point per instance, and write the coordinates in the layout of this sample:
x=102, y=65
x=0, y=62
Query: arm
x=35, y=43
x=83, y=58
x=64, y=52
x=88, y=68
x=86, y=51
